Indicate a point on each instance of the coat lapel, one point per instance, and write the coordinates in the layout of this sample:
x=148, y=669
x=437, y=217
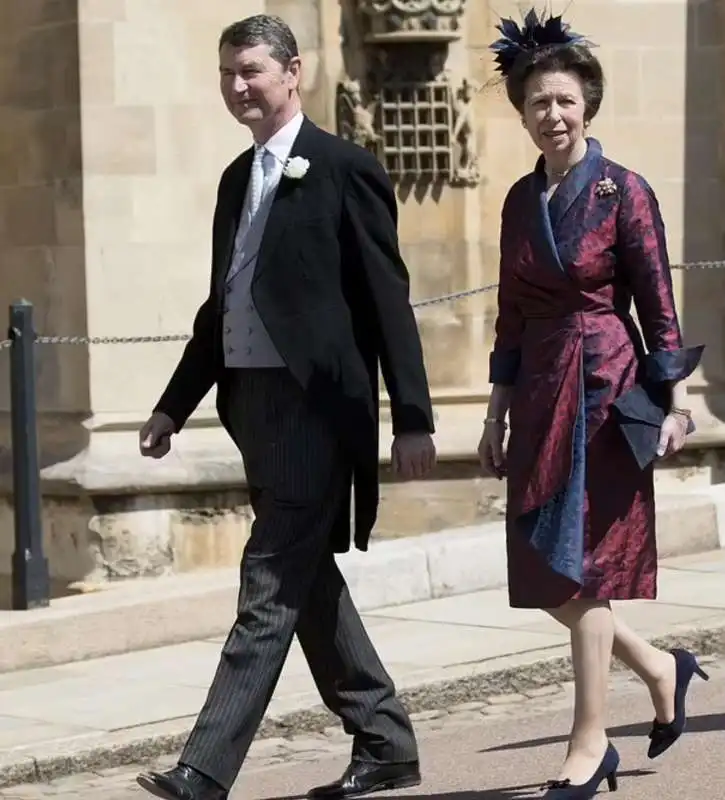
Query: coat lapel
x=289, y=195
x=552, y=212
x=578, y=179
x=230, y=211
x=543, y=241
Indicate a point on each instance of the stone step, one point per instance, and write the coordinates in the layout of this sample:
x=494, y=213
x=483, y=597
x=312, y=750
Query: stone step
x=147, y=613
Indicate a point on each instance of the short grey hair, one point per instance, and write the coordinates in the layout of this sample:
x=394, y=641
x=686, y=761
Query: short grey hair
x=262, y=29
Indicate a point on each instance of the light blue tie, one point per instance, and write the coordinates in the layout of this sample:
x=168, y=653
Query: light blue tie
x=256, y=189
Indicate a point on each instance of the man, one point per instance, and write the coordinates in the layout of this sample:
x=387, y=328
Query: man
x=308, y=295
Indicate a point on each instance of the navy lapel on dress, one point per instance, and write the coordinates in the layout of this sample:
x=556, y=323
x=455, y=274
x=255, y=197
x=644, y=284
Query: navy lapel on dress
x=552, y=212
x=578, y=179
x=230, y=212
x=289, y=193
x=543, y=236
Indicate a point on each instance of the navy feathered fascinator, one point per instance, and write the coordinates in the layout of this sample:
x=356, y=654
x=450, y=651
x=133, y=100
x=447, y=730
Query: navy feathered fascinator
x=537, y=31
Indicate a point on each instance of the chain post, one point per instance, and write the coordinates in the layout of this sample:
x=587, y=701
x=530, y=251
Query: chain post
x=30, y=573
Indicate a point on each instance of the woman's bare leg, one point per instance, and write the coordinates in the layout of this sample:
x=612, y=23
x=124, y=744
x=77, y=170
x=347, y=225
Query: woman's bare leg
x=654, y=666
x=592, y=634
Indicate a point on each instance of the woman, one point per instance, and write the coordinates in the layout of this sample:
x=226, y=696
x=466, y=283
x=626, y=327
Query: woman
x=590, y=409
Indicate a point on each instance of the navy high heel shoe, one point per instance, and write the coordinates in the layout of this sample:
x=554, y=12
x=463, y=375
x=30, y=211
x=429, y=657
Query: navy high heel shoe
x=664, y=734
x=607, y=770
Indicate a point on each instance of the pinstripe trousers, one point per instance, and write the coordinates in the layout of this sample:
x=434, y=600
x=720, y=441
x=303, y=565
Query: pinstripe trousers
x=290, y=583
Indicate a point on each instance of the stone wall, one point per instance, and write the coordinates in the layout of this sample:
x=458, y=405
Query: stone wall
x=41, y=196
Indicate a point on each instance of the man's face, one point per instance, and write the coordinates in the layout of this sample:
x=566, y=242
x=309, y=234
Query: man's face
x=256, y=88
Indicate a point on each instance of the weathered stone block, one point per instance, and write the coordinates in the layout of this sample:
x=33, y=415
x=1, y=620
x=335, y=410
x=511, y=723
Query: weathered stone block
x=119, y=140
x=93, y=540
x=101, y=10
x=29, y=213
x=97, y=63
x=303, y=18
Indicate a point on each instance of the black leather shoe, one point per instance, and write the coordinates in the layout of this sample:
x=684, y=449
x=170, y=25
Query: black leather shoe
x=364, y=777
x=181, y=783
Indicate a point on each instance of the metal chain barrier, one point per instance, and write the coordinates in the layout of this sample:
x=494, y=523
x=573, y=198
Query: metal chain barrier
x=184, y=337
x=30, y=578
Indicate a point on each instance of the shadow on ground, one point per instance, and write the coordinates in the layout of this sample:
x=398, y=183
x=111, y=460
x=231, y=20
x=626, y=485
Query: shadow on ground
x=705, y=723
x=524, y=792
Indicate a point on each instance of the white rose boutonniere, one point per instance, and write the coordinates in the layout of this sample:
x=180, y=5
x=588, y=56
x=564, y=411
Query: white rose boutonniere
x=296, y=168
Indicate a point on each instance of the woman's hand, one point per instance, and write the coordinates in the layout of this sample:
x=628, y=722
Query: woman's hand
x=490, y=448
x=672, y=434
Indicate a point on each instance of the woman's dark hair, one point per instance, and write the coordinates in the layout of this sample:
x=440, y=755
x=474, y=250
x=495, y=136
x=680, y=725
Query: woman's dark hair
x=576, y=58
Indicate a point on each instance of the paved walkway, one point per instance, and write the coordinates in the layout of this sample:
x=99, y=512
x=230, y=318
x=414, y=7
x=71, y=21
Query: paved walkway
x=466, y=756
x=504, y=751
x=67, y=708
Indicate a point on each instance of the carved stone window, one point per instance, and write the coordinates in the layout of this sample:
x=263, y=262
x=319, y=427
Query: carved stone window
x=405, y=109
x=412, y=20
x=414, y=121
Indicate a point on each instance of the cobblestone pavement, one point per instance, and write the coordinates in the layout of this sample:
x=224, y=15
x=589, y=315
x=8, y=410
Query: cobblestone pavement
x=467, y=746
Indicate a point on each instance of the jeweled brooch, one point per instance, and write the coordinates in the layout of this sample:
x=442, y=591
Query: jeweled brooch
x=605, y=187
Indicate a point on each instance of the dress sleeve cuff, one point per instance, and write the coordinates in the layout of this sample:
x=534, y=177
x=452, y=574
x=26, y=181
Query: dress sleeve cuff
x=673, y=365
x=504, y=366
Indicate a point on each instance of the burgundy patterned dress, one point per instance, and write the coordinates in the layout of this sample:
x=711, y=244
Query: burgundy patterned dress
x=580, y=514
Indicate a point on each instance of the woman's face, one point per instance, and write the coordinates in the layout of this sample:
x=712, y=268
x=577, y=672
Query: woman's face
x=554, y=111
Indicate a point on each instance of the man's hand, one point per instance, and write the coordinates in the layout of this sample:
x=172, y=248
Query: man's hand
x=413, y=455
x=155, y=436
